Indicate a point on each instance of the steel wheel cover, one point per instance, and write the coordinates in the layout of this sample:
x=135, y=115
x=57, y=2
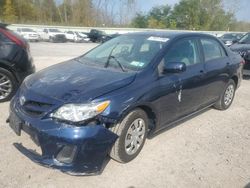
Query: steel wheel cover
x=229, y=94
x=135, y=136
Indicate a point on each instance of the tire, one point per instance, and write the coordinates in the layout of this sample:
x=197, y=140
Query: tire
x=226, y=97
x=8, y=85
x=51, y=40
x=129, y=134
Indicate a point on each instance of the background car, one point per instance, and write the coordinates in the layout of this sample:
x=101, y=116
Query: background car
x=15, y=62
x=96, y=35
x=29, y=34
x=74, y=36
x=109, y=37
x=243, y=47
x=83, y=35
x=230, y=38
x=53, y=35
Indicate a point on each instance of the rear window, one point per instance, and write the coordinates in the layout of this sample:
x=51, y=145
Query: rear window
x=27, y=30
x=212, y=49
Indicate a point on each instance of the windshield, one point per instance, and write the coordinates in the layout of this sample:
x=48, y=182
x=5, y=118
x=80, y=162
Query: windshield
x=132, y=52
x=54, y=31
x=27, y=30
x=228, y=36
x=245, y=39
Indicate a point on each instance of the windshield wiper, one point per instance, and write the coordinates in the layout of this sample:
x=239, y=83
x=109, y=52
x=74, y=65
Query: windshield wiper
x=113, y=57
x=118, y=62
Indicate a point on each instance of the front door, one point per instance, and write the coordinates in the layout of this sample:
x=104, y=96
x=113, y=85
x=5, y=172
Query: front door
x=187, y=87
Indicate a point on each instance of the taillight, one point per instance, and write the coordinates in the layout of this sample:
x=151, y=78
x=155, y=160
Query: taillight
x=13, y=38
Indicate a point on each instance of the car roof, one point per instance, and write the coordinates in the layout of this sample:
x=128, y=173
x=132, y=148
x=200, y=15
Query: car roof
x=171, y=34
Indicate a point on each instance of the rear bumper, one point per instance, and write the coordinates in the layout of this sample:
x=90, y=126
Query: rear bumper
x=73, y=150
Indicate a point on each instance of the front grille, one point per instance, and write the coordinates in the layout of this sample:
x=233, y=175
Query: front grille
x=35, y=108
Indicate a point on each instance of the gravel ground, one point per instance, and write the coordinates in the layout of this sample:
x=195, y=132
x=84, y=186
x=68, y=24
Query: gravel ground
x=210, y=150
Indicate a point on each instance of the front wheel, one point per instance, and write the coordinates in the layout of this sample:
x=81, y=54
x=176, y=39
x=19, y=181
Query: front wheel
x=226, y=97
x=132, y=132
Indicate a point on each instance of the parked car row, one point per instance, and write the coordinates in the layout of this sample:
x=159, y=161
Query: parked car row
x=55, y=35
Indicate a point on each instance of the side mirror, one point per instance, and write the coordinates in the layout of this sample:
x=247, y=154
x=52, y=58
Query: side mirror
x=174, y=67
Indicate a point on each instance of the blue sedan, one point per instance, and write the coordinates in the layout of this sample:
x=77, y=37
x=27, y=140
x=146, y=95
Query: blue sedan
x=106, y=102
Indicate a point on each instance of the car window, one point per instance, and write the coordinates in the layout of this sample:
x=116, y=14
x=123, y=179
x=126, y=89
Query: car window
x=27, y=30
x=134, y=52
x=245, y=39
x=212, y=49
x=184, y=51
x=54, y=30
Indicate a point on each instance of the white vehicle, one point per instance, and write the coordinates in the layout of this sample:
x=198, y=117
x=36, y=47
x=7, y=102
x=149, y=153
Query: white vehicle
x=84, y=36
x=75, y=36
x=53, y=35
x=29, y=34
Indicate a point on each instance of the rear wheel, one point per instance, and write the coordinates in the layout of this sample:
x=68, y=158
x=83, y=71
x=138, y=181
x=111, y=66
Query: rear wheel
x=226, y=97
x=8, y=85
x=132, y=132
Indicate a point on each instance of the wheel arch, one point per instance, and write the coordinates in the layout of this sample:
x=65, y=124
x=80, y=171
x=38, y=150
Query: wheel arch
x=149, y=110
x=4, y=65
x=235, y=79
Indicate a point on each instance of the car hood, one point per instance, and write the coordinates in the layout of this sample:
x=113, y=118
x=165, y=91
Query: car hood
x=240, y=47
x=73, y=81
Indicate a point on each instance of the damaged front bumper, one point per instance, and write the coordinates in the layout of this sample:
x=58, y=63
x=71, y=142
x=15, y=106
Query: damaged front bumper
x=73, y=150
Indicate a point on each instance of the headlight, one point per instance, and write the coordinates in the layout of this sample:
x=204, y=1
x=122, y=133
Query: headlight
x=80, y=112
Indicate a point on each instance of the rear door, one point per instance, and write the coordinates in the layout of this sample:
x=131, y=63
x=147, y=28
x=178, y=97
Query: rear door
x=217, y=67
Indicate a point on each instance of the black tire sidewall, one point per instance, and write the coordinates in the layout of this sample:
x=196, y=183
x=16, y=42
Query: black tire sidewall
x=13, y=82
x=135, y=115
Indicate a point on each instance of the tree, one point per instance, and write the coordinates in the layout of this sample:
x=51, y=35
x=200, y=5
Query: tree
x=187, y=14
x=25, y=10
x=158, y=17
x=140, y=21
x=9, y=12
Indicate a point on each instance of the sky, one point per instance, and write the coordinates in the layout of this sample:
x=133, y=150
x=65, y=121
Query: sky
x=242, y=7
